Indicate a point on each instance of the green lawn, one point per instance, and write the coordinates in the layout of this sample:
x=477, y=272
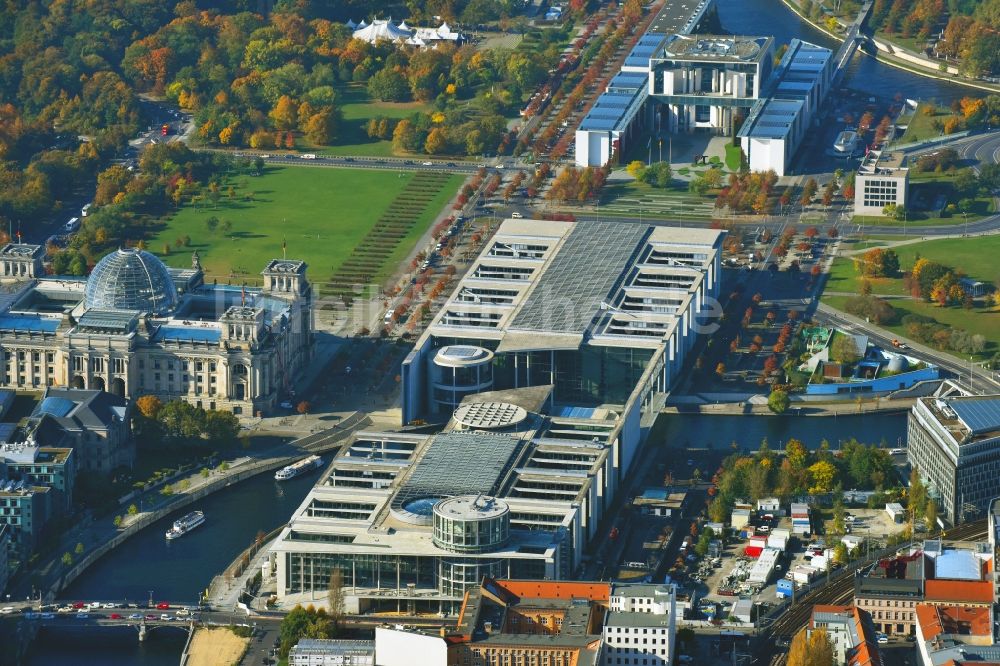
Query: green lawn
x=843, y=277
x=921, y=125
x=976, y=257
x=357, y=108
x=322, y=213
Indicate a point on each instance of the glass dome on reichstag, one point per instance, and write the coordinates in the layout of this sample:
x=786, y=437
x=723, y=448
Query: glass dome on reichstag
x=131, y=279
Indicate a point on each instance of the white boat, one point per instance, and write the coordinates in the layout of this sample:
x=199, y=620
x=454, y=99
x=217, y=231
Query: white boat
x=184, y=525
x=301, y=467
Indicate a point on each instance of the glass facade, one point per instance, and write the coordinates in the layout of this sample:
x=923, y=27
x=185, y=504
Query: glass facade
x=471, y=536
x=131, y=279
x=456, y=575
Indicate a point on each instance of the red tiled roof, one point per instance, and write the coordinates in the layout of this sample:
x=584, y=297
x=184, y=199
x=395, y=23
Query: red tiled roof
x=959, y=590
x=936, y=620
x=866, y=653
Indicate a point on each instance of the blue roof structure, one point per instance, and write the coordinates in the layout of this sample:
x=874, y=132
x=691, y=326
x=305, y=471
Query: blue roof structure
x=610, y=110
x=643, y=50
x=55, y=406
x=188, y=333
x=978, y=414
x=628, y=81
x=21, y=323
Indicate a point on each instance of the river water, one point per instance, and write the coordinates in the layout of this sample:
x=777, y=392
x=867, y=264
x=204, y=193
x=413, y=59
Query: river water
x=771, y=17
x=175, y=571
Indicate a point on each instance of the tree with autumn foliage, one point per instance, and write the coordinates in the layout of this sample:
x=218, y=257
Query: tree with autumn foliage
x=814, y=649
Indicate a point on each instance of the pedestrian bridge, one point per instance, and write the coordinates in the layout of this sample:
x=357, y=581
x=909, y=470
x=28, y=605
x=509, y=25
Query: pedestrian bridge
x=852, y=40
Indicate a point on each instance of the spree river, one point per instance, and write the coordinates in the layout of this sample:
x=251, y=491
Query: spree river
x=771, y=17
x=175, y=571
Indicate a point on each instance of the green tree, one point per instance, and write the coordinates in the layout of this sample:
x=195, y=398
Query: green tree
x=658, y=174
x=79, y=549
x=388, y=85
x=133, y=510
x=67, y=560
x=778, y=402
x=917, y=496
x=118, y=521
x=932, y=514
x=839, y=512
x=844, y=349
x=823, y=475
x=840, y=554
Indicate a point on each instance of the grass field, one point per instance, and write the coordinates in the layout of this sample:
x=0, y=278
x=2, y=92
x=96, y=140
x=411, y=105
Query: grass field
x=323, y=214
x=358, y=108
x=843, y=277
x=975, y=257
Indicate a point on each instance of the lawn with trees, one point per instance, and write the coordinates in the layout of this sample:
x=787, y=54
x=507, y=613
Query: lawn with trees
x=929, y=304
x=322, y=214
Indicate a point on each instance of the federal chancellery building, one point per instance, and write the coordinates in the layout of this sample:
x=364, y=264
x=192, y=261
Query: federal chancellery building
x=136, y=327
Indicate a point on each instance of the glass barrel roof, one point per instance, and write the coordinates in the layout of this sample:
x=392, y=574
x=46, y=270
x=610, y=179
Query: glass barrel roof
x=131, y=279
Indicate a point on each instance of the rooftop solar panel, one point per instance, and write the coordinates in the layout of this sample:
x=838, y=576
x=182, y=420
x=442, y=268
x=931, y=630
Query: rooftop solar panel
x=583, y=272
x=979, y=414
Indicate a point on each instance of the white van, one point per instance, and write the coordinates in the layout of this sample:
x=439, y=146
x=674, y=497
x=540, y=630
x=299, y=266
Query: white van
x=73, y=224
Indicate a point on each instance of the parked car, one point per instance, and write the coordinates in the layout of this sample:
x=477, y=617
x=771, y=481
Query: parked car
x=163, y=605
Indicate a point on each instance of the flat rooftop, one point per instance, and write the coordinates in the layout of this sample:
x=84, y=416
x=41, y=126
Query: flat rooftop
x=678, y=17
x=552, y=285
x=881, y=163
x=968, y=419
x=715, y=48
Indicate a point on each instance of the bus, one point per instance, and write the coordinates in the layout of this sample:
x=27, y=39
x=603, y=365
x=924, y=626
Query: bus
x=165, y=130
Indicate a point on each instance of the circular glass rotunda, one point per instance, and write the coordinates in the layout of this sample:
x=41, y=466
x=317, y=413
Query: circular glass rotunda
x=131, y=279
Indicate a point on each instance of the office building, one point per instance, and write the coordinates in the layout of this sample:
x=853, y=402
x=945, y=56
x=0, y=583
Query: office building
x=934, y=573
x=603, y=312
x=777, y=122
x=953, y=439
x=851, y=632
x=620, y=114
x=640, y=626
x=329, y=652
x=136, y=327
x=25, y=509
x=529, y=622
x=95, y=424
x=414, y=520
x=4, y=564
x=882, y=179
x=707, y=81
x=676, y=80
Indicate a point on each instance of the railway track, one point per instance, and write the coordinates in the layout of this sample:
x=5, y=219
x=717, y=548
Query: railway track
x=840, y=590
